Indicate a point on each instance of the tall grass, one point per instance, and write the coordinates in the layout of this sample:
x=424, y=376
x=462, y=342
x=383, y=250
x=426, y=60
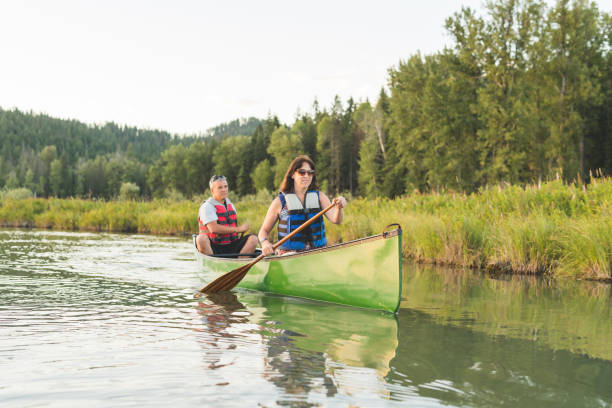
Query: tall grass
x=553, y=228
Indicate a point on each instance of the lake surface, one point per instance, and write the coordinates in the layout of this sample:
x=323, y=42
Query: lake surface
x=110, y=320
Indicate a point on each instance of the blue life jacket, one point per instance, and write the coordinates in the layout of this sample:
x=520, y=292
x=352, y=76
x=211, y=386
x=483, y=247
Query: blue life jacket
x=293, y=214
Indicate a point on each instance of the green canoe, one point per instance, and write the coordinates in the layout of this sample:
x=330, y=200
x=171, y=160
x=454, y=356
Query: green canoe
x=366, y=272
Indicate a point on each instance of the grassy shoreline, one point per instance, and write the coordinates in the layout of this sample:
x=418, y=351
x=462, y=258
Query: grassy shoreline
x=555, y=229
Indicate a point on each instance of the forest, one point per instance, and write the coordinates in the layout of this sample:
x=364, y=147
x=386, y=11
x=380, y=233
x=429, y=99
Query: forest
x=523, y=94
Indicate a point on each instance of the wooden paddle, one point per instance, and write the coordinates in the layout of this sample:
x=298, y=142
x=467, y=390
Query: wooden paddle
x=231, y=279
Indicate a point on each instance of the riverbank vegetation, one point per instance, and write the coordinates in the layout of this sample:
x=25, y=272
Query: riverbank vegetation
x=553, y=228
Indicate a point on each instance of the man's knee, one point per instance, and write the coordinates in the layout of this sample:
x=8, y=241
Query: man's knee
x=251, y=243
x=203, y=243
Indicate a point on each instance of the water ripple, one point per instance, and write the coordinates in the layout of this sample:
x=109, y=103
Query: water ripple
x=110, y=320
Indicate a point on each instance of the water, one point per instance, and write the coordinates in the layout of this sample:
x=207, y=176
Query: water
x=110, y=320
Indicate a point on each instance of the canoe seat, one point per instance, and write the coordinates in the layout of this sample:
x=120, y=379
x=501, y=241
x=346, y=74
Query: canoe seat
x=252, y=255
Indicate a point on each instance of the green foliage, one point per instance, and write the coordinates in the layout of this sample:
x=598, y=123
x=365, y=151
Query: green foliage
x=519, y=98
x=198, y=165
x=587, y=247
x=532, y=230
x=183, y=170
x=21, y=131
x=68, y=158
x=285, y=145
x=174, y=171
x=263, y=176
x=306, y=128
x=243, y=126
x=15, y=194
x=102, y=177
x=371, y=131
x=230, y=160
x=129, y=191
x=56, y=178
x=332, y=148
x=369, y=153
x=173, y=195
x=12, y=182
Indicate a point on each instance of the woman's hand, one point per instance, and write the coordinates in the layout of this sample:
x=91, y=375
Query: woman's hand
x=266, y=248
x=340, y=202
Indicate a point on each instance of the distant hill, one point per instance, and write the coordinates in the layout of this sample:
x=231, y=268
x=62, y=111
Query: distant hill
x=242, y=126
x=25, y=133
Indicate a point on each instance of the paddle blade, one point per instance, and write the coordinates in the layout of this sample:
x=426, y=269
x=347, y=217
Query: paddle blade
x=227, y=281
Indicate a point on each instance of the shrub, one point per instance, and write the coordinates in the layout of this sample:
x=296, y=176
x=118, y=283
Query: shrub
x=129, y=191
x=15, y=194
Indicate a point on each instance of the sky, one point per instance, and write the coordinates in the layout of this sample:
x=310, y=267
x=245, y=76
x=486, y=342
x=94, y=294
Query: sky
x=186, y=66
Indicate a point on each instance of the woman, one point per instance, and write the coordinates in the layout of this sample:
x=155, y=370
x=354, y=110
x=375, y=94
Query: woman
x=298, y=201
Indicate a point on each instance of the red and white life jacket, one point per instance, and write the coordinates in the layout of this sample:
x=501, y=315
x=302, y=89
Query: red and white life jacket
x=225, y=216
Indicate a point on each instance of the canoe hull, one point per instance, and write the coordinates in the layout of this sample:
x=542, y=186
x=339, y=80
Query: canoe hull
x=363, y=273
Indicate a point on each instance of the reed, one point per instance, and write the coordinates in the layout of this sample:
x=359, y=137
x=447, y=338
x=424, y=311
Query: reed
x=552, y=228
x=586, y=246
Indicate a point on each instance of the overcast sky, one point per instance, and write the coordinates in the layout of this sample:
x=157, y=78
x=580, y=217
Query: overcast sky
x=185, y=66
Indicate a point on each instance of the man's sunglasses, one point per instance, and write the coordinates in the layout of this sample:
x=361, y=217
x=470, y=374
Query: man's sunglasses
x=303, y=172
x=215, y=178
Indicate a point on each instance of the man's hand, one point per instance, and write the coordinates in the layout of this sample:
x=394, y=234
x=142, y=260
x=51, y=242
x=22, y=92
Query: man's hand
x=243, y=228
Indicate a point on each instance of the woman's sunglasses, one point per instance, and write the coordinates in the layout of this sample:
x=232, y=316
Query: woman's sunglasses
x=303, y=172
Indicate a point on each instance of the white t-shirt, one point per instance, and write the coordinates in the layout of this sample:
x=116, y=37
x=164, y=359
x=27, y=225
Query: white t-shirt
x=208, y=212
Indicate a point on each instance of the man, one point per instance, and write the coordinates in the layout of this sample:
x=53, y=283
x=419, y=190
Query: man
x=219, y=227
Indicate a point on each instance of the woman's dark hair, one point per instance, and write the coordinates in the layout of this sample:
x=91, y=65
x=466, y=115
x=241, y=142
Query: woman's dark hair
x=287, y=184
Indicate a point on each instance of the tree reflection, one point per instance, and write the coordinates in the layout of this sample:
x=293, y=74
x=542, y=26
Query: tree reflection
x=462, y=367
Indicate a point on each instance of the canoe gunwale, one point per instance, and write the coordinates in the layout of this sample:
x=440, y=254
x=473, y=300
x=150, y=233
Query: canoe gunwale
x=333, y=247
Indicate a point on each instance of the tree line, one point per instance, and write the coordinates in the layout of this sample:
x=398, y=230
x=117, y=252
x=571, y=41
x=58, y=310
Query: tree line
x=66, y=158
x=524, y=93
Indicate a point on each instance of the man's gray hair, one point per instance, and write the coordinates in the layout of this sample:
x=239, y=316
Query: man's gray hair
x=215, y=178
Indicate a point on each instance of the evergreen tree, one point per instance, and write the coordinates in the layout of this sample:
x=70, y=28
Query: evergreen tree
x=228, y=158
x=404, y=167
x=199, y=166
x=307, y=129
x=47, y=155
x=285, y=145
x=370, y=154
x=577, y=63
x=55, y=178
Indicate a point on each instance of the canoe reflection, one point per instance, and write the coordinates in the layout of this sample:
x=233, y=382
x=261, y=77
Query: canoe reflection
x=307, y=344
x=347, y=335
